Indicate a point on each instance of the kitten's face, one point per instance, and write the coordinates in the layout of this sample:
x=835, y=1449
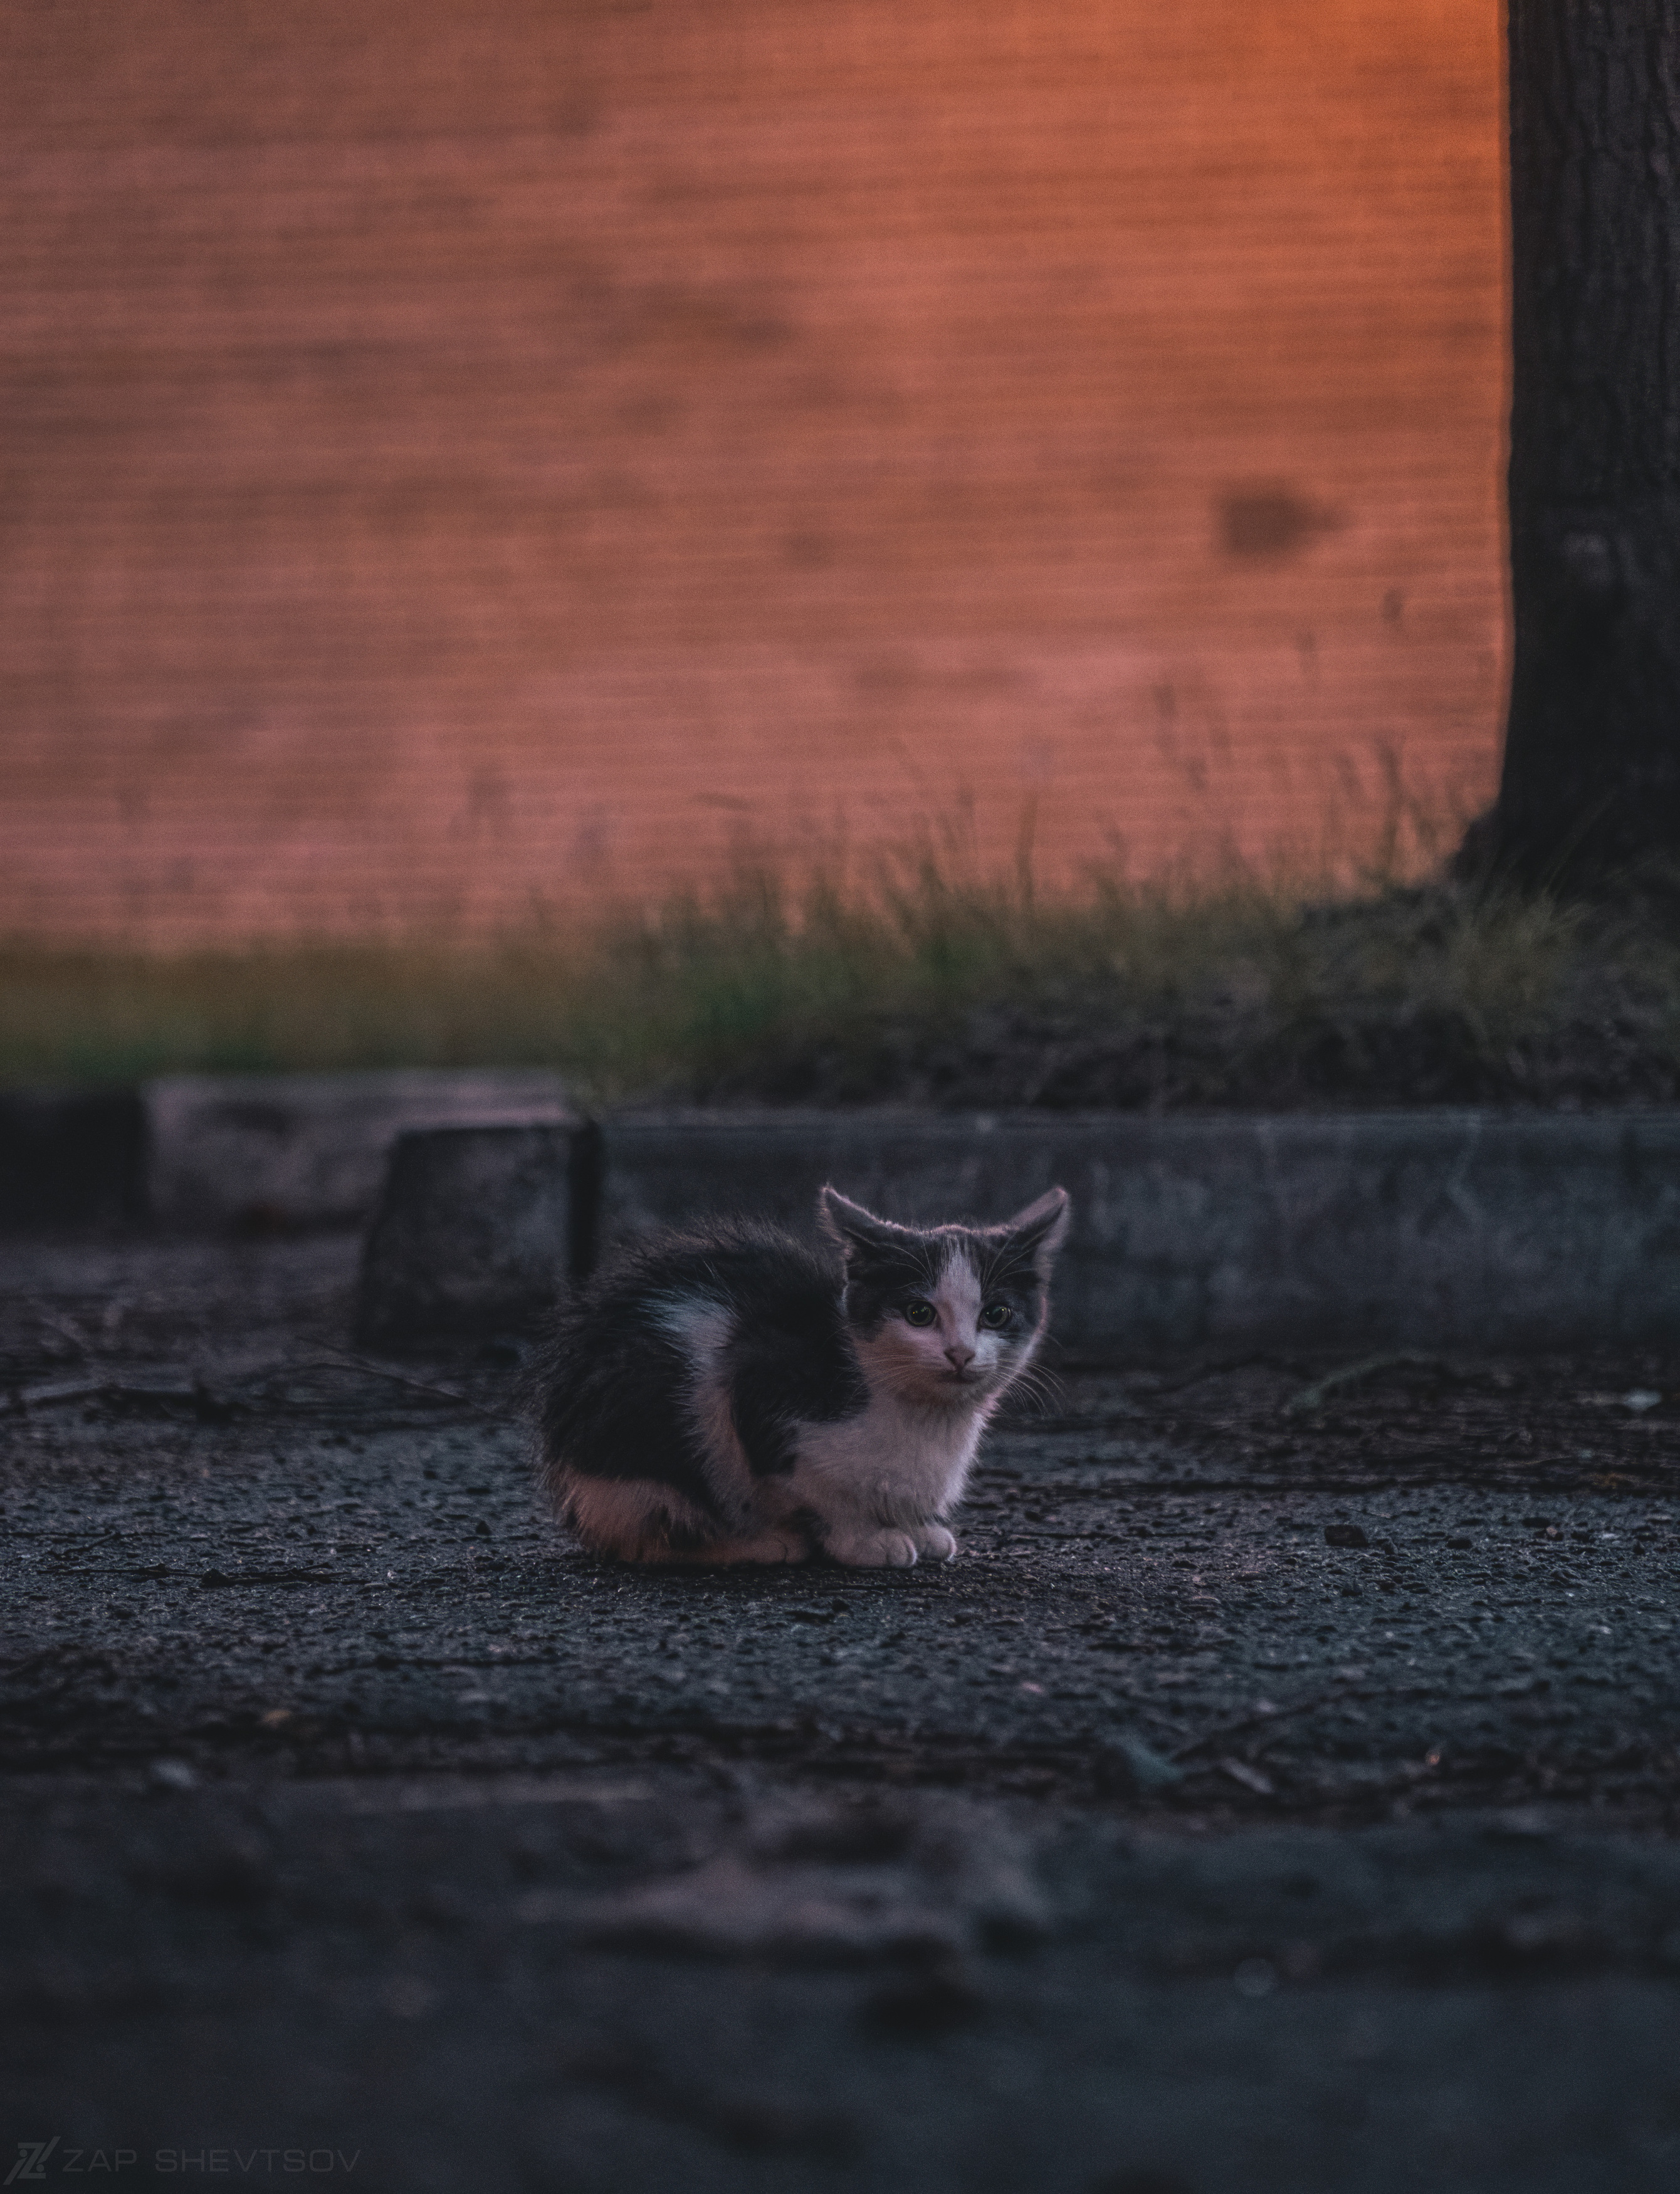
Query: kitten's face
x=945, y=1316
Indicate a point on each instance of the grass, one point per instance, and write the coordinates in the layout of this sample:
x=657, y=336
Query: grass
x=928, y=983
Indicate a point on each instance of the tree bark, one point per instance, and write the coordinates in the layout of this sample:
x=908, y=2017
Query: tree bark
x=1592, y=776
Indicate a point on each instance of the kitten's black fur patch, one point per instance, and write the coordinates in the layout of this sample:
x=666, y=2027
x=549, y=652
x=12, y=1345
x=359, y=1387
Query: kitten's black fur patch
x=881, y=1276
x=613, y=1388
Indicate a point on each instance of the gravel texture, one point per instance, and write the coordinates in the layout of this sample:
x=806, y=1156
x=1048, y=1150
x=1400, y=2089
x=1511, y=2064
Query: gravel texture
x=1280, y=1791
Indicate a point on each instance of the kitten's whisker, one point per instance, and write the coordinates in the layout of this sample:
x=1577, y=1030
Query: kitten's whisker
x=1038, y=1389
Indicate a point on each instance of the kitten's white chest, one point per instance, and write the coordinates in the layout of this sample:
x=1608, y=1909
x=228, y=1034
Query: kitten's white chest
x=893, y=1464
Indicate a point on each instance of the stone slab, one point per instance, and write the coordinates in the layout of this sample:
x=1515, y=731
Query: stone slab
x=472, y=1234
x=309, y=1150
x=1450, y=1228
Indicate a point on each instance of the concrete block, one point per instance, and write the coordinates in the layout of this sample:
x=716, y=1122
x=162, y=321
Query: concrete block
x=309, y=1150
x=473, y=1232
x=1458, y=1228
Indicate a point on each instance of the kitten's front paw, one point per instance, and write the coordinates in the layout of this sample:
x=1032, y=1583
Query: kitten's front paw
x=934, y=1544
x=875, y=1550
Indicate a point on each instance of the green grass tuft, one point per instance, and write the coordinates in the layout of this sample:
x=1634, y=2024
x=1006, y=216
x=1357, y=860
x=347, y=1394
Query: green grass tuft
x=927, y=983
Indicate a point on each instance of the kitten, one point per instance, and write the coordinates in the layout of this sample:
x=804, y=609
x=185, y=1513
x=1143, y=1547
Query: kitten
x=731, y=1396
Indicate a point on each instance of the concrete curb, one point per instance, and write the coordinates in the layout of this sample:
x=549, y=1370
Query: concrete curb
x=1450, y=1228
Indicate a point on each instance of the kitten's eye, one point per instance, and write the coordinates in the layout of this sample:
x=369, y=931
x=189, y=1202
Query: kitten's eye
x=994, y=1315
x=918, y=1313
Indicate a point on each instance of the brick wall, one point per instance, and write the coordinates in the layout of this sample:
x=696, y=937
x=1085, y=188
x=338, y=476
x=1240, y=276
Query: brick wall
x=459, y=457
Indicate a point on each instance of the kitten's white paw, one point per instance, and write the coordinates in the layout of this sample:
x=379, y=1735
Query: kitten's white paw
x=934, y=1544
x=875, y=1550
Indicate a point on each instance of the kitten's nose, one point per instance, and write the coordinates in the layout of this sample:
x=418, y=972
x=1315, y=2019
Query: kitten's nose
x=957, y=1357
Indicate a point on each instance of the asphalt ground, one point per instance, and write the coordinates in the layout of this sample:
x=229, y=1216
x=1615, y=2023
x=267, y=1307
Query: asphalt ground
x=356, y=1826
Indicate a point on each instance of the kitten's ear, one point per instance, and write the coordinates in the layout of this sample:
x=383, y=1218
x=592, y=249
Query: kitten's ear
x=1040, y=1232
x=852, y=1226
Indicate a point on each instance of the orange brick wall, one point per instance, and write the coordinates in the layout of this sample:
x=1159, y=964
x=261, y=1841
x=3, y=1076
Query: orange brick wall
x=461, y=457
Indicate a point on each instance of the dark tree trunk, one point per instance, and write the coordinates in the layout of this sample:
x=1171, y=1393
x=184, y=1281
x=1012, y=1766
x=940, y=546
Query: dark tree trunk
x=1591, y=779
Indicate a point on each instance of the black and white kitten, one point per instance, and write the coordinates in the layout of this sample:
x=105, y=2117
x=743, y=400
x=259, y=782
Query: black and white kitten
x=731, y=1396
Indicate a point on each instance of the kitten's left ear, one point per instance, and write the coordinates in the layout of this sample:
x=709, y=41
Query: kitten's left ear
x=1040, y=1230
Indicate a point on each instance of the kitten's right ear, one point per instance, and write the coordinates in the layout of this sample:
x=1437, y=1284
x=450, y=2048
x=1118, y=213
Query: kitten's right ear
x=852, y=1226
